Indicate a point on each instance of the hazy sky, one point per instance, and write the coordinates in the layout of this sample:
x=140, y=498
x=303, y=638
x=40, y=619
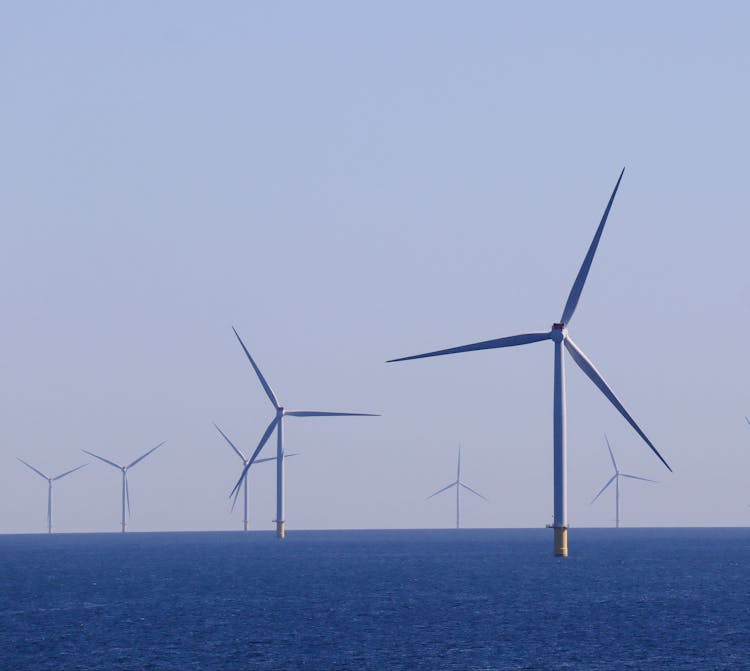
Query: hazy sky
x=350, y=182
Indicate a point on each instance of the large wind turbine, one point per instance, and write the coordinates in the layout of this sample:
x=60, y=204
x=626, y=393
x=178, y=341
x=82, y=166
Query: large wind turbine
x=559, y=336
x=49, y=488
x=124, y=470
x=246, y=521
x=277, y=424
x=457, y=484
x=616, y=479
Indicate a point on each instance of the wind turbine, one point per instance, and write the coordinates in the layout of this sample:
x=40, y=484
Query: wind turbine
x=457, y=484
x=49, y=488
x=616, y=479
x=277, y=424
x=124, y=470
x=246, y=521
x=559, y=336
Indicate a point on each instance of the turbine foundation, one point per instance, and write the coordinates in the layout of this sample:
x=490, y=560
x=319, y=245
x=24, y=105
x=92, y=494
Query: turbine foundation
x=561, y=541
x=281, y=529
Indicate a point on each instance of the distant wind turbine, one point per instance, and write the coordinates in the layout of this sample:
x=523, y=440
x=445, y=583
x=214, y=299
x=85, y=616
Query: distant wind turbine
x=246, y=521
x=616, y=479
x=277, y=424
x=457, y=484
x=124, y=470
x=559, y=336
x=49, y=488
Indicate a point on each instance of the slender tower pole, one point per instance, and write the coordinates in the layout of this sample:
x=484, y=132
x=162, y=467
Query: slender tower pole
x=245, y=521
x=458, y=508
x=617, y=500
x=123, y=500
x=560, y=522
x=458, y=487
x=280, y=524
x=49, y=506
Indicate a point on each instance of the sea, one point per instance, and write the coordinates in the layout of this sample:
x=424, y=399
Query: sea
x=423, y=599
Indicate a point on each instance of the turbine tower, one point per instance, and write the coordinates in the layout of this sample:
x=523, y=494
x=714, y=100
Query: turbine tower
x=246, y=521
x=616, y=479
x=277, y=424
x=124, y=470
x=457, y=484
x=49, y=488
x=559, y=336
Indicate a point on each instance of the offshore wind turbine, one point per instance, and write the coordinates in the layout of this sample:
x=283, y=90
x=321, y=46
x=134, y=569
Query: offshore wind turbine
x=457, y=484
x=616, y=479
x=49, y=488
x=277, y=424
x=246, y=521
x=559, y=336
x=124, y=470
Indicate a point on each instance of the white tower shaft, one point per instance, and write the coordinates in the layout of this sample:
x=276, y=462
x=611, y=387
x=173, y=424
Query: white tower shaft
x=49, y=506
x=280, y=520
x=245, y=521
x=617, y=501
x=124, y=485
x=560, y=522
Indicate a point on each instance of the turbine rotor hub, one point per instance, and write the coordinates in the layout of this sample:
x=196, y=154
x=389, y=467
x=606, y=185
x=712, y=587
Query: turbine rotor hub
x=558, y=332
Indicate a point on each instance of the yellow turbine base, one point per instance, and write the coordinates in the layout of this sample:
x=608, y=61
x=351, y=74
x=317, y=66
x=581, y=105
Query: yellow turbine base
x=561, y=541
x=281, y=529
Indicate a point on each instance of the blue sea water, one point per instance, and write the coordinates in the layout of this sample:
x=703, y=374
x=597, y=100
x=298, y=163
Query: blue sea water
x=468, y=599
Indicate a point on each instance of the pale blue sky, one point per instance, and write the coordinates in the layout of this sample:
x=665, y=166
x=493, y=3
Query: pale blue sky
x=346, y=183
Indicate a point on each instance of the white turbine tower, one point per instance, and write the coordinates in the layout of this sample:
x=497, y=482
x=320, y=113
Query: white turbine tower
x=559, y=336
x=277, y=424
x=616, y=479
x=49, y=488
x=246, y=520
x=124, y=470
x=457, y=484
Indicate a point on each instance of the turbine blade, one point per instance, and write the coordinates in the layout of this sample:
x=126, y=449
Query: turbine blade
x=236, y=496
x=575, y=292
x=72, y=470
x=439, y=491
x=611, y=456
x=263, y=440
x=127, y=493
x=143, y=456
x=510, y=341
x=315, y=413
x=231, y=444
x=38, y=472
x=264, y=384
x=747, y=419
x=587, y=367
x=601, y=491
x=106, y=461
x=472, y=491
x=636, y=477
x=286, y=456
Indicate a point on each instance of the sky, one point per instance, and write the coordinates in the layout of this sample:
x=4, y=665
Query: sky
x=346, y=183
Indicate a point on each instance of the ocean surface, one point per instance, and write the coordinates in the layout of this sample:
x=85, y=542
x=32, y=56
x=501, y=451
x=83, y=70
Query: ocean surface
x=445, y=599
